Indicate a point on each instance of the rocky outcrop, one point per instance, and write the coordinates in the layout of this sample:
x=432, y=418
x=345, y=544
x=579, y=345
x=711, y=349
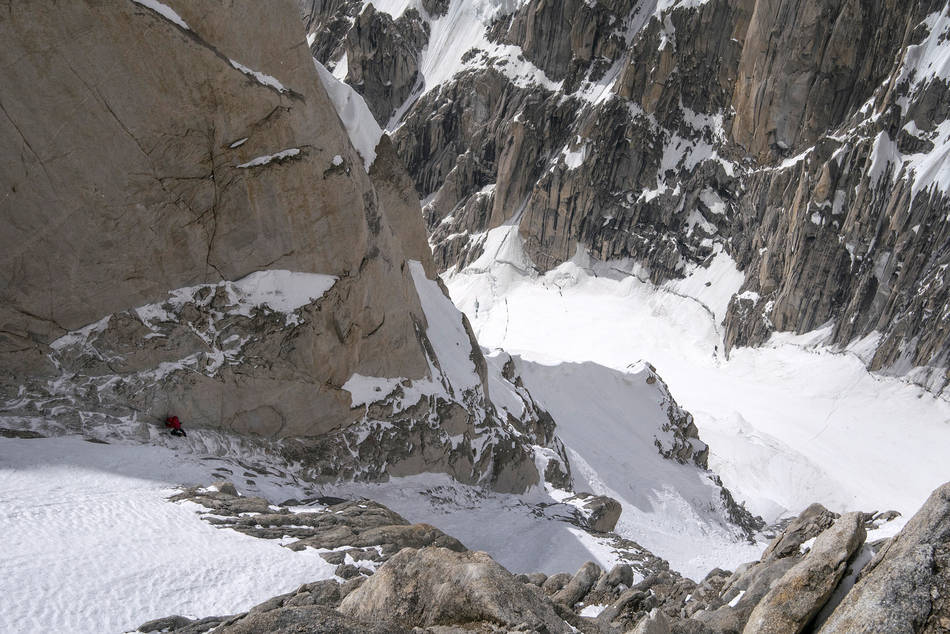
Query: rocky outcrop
x=801, y=592
x=382, y=58
x=808, y=525
x=801, y=138
x=435, y=589
x=580, y=584
x=596, y=512
x=904, y=588
x=361, y=533
x=439, y=587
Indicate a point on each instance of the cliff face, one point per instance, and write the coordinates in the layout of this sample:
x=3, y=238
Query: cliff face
x=806, y=139
x=191, y=230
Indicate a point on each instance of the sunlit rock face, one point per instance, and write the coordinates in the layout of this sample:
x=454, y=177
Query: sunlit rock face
x=199, y=223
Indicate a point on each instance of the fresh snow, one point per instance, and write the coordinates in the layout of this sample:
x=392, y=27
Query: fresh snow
x=592, y=611
x=267, y=158
x=736, y=599
x=665, y=5
x=283, y=291
x=92, y=545
x=610, y=421
x=574, y=158
x=163, y=10
x=262, y=78
x=368, y=389
x=359, y=122
x=790, y=423
x=445, y=331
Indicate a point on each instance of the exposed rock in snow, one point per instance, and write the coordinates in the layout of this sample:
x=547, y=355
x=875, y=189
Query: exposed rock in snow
x=904, y=587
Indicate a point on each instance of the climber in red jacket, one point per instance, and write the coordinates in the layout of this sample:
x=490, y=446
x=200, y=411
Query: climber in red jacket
x=175, y=424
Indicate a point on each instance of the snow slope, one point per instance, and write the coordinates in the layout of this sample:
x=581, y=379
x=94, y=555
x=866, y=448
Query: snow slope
x=788, y=424
x=360, y=125
x=92, y=545
x=608, y=419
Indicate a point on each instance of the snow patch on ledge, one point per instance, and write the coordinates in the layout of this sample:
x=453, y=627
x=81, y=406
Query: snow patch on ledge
x=370, y=389
x=259, y=77
x=283, y=291
x=165, y=11
x=267, y=158
x=359, y=122
x=279, y=290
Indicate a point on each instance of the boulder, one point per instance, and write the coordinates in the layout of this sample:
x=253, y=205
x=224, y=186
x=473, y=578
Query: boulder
x=596, y=512
x=797, y=597
x=619, y=575
x=812, y=521
x=579, y=585
x=225, y=487
x=312, y=619
x=555, y=582
x=436, y=586
x=906, y=587
x=753, y=581
x=654, y=623
x=165, y=624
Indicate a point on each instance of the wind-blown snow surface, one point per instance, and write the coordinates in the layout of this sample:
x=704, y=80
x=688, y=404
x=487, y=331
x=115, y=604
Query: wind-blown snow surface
x=788, y=424
x=90, y=543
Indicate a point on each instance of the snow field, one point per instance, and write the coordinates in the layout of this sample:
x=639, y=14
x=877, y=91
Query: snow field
x=91, y=543
x=791, y=423
x=609, y=419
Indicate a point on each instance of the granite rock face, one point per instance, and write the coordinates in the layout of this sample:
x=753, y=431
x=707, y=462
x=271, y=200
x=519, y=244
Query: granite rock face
x=382, y=58
x=191, y=230
x=802, y=139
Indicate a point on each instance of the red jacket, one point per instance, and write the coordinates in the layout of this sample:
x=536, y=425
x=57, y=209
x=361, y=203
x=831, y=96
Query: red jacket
x=173, y=422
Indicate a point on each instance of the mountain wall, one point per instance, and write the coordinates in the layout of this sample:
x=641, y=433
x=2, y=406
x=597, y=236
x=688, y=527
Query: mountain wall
x=807, y=139
x=197, y=223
